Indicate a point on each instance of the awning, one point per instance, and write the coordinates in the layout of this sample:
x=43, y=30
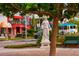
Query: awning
x=67, y=24
x=18, y=17
x=21, y=25
x=28, y=27
x=17, y=25
x=5, y=25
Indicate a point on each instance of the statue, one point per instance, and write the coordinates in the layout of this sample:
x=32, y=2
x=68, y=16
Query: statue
x=45, y=27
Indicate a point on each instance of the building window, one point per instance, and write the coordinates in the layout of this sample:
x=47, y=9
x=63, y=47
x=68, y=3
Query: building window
x=17, y=21
x=72, y=27
x=9, y=30
x=3, y=30
x=65, y=27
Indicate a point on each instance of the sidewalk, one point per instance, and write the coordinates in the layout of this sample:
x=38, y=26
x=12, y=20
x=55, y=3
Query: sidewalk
x=34, y=51
x=38, y=52
x=16, y=42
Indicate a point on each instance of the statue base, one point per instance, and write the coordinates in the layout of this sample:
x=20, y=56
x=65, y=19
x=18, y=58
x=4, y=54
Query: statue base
x=45, y=44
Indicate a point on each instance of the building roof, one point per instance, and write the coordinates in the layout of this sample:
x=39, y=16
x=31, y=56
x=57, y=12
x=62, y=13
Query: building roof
x=67, y=24
x=18, y=17
x=76, y=18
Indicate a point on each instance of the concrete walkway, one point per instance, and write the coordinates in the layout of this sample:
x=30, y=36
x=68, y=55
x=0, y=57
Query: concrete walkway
x=44, y=51
x=16, y=42
x=38, y=52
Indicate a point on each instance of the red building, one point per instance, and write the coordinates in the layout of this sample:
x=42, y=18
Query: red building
x=13, y=27
x=18, y=26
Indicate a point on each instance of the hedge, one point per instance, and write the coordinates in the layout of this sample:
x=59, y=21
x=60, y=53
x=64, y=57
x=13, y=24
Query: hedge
x=21, y=46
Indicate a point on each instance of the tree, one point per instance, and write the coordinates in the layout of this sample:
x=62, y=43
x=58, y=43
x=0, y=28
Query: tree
x=56, y=14
x=40, y=9
x=54, y=10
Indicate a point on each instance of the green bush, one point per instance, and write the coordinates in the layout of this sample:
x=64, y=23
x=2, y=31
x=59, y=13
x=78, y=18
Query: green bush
x=39, y=42
x=16, y=38
x=21, y=46
x=31, y=32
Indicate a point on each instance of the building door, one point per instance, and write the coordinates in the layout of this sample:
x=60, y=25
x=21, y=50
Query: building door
x=17, y=30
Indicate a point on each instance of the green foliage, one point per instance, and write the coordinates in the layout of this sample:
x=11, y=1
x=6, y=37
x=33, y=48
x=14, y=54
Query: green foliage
x=31, y=32
x=16, y=38
x=7, y=8
x=75, y=22
x=24, y=7
x=39, y=41
x=21, y=46
x=3, y=39
x=28, y=6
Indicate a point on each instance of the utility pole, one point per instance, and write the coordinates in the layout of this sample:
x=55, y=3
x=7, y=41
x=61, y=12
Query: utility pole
x=54, y=32
x=25, y=25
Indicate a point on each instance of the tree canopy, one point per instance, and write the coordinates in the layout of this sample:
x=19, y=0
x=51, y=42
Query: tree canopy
x=10, y=9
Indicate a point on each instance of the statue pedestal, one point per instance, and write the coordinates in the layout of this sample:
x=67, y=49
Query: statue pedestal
x=42, y=46
x=45, y=44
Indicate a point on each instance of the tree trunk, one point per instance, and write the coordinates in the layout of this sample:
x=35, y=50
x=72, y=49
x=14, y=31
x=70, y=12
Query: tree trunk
x=54, y=32
x=53, y=37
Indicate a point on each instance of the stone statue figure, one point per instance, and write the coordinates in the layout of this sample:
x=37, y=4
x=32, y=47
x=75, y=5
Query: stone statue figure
x=45, y=37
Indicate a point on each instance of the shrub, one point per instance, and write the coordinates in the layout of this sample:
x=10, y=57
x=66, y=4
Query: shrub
x=31, y=32
x=16, y=38
x=39, y=42
x=3, y=39
x=21, y=46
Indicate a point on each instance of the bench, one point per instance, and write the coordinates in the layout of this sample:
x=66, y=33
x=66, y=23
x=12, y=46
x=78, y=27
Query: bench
x=71, y=41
